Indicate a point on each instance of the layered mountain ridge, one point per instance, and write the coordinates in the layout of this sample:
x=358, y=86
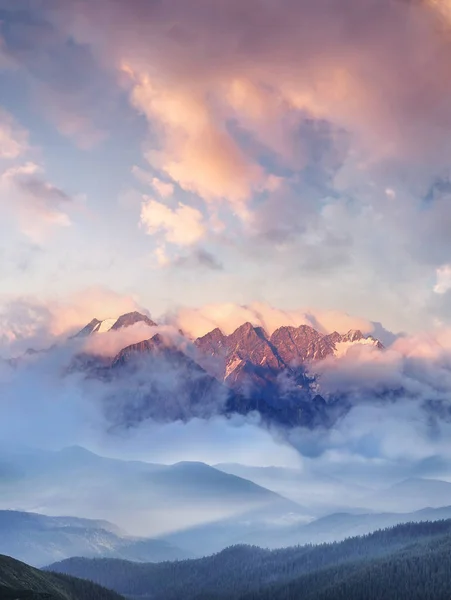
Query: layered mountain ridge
x=286, y=347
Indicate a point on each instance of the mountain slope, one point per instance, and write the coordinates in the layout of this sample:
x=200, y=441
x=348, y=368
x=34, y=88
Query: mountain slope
x=413, y=494
x=417, y=572
x=275, y=531
x=19, y=581
x=38, y=539
x=324, y=494
x=154, y=379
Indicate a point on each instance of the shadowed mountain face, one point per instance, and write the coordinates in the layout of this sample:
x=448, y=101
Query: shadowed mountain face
x=268, y=373
x=167, y=385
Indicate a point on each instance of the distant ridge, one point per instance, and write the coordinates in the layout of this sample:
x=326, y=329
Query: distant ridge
x=126, y=320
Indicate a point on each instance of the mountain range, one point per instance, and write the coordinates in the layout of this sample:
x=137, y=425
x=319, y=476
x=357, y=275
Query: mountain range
x=283, y=532
x=248, y=370
x=39, y=539
x=144, y=499
x=187, y=509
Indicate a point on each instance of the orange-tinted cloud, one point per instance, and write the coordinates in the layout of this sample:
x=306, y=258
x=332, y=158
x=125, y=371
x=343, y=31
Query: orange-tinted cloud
x=219, y=79
x=198, y=153
x=228, y=317
x=26, y=322
x=182, y=226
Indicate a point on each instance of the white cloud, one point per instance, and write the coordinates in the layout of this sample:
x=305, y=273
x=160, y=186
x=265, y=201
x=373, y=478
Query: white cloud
x=163, y=188
x=13, y=138
x=37, y=204
x=182, y=226
x=443, y=284
x=161, y=256
x=166, y=190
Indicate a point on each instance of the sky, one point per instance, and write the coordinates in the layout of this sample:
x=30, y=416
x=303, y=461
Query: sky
x=175, y=155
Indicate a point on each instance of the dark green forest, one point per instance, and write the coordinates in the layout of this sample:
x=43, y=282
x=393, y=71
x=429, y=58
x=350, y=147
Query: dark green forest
x=409, y=561
x=19, y=581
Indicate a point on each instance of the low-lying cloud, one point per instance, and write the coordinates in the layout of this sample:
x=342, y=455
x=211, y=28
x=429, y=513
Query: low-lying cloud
x=397, y=425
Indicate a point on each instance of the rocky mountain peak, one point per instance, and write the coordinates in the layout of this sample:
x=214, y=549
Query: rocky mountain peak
x=131, y=318
x=353, y=335
x=299, y=344
x=126, y=320
x=89, y=328
x=212, y=342
x=245, y=330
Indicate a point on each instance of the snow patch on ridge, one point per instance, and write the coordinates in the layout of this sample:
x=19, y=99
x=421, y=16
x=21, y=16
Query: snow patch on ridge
x=105, y=326
x=232, y=366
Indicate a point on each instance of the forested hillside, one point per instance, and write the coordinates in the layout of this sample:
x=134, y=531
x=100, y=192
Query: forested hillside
x=403, y=561
x=19, y=581
x=419, y=572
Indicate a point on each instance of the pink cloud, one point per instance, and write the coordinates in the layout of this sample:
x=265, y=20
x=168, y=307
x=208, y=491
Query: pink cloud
x=13, y=138
x=377, y=70
x=182, y=226
x=228, y=317
x=111, y=343
x=33, y=322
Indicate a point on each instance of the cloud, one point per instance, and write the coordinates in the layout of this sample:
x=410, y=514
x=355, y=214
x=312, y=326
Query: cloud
x=217, y=440
x=199, y=258
x=197, y=153
x=390, y=432
x=260, y=67
x=57, y=412
x=111, y=342
x=182, y=226
x=162, y=188
x=240, y=98
x=38, y=204
x=415, y=370
x=228, y=317
x=61, y=76
x=13, y=138
x=30, y=322
x=443, y=279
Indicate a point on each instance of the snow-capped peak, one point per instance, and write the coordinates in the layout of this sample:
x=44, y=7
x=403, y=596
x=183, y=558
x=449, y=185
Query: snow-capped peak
x=105, y=325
